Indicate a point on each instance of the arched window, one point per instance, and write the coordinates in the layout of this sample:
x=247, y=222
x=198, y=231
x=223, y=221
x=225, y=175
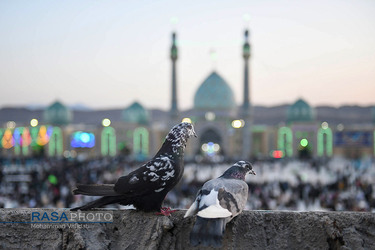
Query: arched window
x=44, y=134
x=140, y=142
x=7, y=141
x=22, y=140
x=34, y=131
x=17, y=133
x=55, y=142
x=26, y=141
x=108, y=144
x=1, y=137
x=324, y=142
x=285, y=141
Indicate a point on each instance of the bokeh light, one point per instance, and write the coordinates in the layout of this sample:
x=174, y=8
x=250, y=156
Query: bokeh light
x=85, y=137
x=277, y=154
x=340, y=127
x=81, y=139
x=34, y=122
x=7, y=141
x=324, y=125
x=304, y=142
x=210, y=116
x=11, y=124
x=210, y=148
x=106, y=122
x=186, y=119
x=238, y=123
x=44, y=135
x=52, y=179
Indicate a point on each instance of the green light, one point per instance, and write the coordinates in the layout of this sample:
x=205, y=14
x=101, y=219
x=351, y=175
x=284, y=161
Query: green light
x=34, y=135
x=285, y=141
x=304, y=142
x=140, y=142
x=327, y=148
x=108, y=145
x=1, y=136
x=24, y=137
x=26, y=141
x=52, y=179
x=55, y=147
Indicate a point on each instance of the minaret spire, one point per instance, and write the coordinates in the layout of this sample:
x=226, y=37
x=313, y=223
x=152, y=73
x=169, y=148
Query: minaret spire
x=246, y=113
x=174, y=56
x=246, y=56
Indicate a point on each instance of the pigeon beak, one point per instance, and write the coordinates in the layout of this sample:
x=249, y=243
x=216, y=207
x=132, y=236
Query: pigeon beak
x=193, y=133
x=252, y=172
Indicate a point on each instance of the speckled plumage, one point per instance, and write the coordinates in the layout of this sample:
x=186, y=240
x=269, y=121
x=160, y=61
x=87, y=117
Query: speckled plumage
x=146, y=187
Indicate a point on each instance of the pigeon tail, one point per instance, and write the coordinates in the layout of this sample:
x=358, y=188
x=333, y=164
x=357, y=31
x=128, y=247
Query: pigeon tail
x=207, y=232
x=96, y=190
x=98, y=203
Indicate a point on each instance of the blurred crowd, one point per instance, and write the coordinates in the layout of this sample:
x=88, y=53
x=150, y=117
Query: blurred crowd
x=331, y=185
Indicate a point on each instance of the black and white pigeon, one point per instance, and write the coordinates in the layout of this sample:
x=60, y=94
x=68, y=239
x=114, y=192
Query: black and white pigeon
x=146, y=187
x=217, y=203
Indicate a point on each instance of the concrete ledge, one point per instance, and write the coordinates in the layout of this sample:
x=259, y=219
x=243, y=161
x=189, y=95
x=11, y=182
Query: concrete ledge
x=137, y=230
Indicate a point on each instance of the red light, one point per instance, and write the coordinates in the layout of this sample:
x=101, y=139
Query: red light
x=277, y=154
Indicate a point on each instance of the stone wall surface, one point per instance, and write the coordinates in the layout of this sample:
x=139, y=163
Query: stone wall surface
x=137, y=230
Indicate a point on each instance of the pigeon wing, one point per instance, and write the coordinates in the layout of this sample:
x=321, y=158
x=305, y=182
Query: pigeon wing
x=208, y=201
x=233, y=196
x=193, y=210
x=151, y=177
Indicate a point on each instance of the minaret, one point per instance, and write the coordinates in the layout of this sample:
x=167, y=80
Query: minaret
x=246, y=56
x=174, y=109
x=246, y=106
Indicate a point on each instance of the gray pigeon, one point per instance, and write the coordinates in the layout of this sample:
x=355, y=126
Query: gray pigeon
x=217, y=203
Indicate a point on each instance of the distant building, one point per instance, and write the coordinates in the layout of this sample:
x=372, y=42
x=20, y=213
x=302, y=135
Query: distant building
x=225, y=130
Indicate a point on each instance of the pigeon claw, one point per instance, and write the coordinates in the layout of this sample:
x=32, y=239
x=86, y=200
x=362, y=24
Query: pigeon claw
x=166, y=211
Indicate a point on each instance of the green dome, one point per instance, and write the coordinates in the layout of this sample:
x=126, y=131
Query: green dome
x=300, y=111
x=135, y=113
x=58, y=114
x=214, y=93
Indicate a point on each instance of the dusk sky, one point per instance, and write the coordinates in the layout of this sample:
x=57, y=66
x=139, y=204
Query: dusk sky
x=108, y=54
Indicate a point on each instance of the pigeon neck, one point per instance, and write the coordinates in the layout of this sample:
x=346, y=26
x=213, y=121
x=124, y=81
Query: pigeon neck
x=176, y=146
x=177, y=142
x=234, y=175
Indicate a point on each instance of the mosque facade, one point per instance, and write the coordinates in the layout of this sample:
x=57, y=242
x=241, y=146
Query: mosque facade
x=225, y=130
